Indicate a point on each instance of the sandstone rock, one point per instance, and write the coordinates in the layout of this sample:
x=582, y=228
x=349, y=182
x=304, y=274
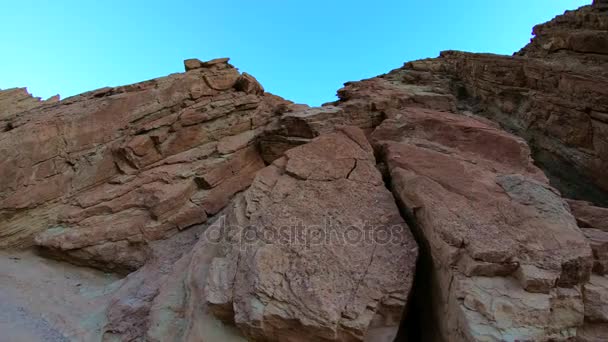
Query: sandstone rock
x=278, y=285
x=129, y=179
x=193, y=63
x=588, y=215
x=592, y=333
x=362, y=104
x=297, y=127
x=216, y=61
x=249, y=84
x=598, y=240
x=552, y=93
x=596, y=300
x=594, y=223
x=161, y=301
x=111, y=170
x=547, y=107
x=580, y=31
x=16, y=100
x=486, y=213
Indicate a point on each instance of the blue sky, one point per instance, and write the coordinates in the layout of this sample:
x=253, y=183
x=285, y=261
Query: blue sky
x=302, y=50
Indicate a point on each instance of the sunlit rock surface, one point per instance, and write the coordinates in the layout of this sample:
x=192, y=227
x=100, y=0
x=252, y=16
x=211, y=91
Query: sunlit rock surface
x=490, y=172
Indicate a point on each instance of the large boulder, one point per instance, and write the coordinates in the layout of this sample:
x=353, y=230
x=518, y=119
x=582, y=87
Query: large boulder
x=316, y=249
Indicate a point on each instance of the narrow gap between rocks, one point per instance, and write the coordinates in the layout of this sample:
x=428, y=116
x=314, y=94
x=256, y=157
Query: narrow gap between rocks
x=418, y=322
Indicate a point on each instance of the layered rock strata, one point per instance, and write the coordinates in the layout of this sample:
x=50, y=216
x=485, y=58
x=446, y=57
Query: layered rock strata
x=235, y=214
x=97, y=176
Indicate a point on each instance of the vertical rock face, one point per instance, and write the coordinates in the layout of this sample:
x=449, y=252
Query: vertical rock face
x=556, y=104
x=508, y=258
x=317, y=249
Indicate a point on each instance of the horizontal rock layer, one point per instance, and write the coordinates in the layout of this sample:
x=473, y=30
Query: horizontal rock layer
x=99, y=175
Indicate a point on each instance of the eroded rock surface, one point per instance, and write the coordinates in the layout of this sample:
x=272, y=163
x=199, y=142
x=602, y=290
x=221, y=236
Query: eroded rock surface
x=97, y=176
x=17, y=100
x=508, y=258
x=236, y=215
x=306, y=257
x=552, y=93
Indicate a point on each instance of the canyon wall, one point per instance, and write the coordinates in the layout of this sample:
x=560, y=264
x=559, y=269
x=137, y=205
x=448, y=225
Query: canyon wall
x=458, y=198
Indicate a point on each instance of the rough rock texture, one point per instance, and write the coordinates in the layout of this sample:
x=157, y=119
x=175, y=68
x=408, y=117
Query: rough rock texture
x=582, y=33
x=594, y=224
x=508, y=258
x=234, y=214
x=588, y=215
x=553, y=93
x=557, y=105
x=17, y=100
x=303, y=261
x=162, y=301
x=110, y=170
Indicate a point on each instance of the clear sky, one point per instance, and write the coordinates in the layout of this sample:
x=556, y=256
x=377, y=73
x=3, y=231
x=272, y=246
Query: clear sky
x=303, y=50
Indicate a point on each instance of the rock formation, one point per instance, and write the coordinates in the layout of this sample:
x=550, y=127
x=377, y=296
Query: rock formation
x=319, y=267
x=458, y=198
x=507, y=257
x=101, y=174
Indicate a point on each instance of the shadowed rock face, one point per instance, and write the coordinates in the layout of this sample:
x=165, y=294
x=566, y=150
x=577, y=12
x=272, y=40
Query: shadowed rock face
x=552, y=93
x=239, y=215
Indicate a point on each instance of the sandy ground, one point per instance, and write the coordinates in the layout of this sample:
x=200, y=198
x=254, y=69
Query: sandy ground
x=46, y=300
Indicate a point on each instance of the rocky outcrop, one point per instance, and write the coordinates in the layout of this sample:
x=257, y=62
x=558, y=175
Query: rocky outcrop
x=302, y=261
x=17, y=100
x=582, y=33
x=556, y=105
x=552, y=93
x=589, y=216
x=508, y=258
x=97, y=176
x=236, y=215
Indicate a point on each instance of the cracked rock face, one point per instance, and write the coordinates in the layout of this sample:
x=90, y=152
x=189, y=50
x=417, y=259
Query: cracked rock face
x=508, y=257
x=316, y=249
x=236, y=215
x=96, y=177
